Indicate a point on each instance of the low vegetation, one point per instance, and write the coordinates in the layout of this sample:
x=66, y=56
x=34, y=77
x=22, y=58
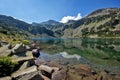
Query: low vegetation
x=6, y=66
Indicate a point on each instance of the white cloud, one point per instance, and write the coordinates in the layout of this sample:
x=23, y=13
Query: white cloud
x=67, y=18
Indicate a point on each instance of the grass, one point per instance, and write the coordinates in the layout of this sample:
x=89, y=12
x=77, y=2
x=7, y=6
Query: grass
x=6, y=66
x=14, y=39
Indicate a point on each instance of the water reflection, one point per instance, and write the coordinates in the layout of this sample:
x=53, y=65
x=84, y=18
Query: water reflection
x=98, y=51
x=68, y=56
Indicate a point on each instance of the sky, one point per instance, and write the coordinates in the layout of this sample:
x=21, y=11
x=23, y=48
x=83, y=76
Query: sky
x=59, y=10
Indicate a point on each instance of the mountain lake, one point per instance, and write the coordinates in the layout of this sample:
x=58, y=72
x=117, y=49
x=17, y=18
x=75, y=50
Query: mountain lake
x=100, y=53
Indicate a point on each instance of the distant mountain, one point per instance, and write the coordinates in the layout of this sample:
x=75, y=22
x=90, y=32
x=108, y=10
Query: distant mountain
x=100, y=23
x=12, y=29
x=9, y=21
x=51, y=25
x=51, y=22
x=10, y=25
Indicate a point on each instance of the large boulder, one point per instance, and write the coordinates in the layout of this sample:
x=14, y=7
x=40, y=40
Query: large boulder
x=28, y=47
x=35, y=52
x=60, y=71
x=19, y=48
x=23, y=59
x=47, y=71
x=37, y=77
x=24, y=71
x=6, y=78
x=30, y=76
x=59, y=75
x=46, y=68
x=39, y=62
x=85, y=67
x=9, y=46
x=25, y=65
x=104, y=76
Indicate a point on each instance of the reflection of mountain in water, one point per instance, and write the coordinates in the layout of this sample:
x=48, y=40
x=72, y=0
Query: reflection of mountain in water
x=100, y=51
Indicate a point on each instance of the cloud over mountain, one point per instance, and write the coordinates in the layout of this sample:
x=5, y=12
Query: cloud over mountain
x=67, y=18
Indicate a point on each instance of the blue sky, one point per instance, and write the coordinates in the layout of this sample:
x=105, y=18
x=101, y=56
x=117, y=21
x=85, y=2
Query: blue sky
x=43, y=10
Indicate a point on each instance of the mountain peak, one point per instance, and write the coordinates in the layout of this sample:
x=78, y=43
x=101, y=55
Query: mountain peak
x=51, y=22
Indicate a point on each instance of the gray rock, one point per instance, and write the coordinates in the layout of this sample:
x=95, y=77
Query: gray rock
x=37, y=77
x=6, y=78
x=24, y=71
x=0, y=44
x=35, y=52
x=28, y=47
x=4, y=43
x=104, y=76
x=46, y=69
x=9, y=46
x=23, y=59
x=40, y=62
x=19, y=48
x=34, y=45
x=24, y=65
x=30, y=76
x=59, y=75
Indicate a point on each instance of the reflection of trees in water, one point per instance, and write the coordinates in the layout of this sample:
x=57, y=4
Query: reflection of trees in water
x=102, y=44
x=97, y=50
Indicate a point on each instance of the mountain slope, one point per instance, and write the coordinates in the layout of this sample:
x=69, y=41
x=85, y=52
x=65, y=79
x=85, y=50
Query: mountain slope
x=10, y=26
x=100, y=23
x=9, y=21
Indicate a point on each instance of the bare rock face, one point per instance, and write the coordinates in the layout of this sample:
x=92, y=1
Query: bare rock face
x=19, y=48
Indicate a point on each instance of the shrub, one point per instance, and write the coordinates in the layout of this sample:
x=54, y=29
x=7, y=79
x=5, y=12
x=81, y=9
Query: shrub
x=6, y=66
x=26, y=42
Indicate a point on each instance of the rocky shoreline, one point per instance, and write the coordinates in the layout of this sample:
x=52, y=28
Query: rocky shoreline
x=30, y=69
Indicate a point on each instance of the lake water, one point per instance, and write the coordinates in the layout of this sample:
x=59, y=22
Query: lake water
x=98, y=53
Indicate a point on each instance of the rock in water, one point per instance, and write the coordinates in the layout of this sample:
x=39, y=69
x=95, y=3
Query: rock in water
x=35, y=52
x=19, y=48
x=85, y=67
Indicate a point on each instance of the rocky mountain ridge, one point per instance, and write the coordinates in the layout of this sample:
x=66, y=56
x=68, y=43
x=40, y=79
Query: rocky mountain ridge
x=100, y=23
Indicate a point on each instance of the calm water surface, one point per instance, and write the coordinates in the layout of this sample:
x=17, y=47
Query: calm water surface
x=98, y=53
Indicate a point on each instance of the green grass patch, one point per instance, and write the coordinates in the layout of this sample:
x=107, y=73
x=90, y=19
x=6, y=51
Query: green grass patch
x=7, y=66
